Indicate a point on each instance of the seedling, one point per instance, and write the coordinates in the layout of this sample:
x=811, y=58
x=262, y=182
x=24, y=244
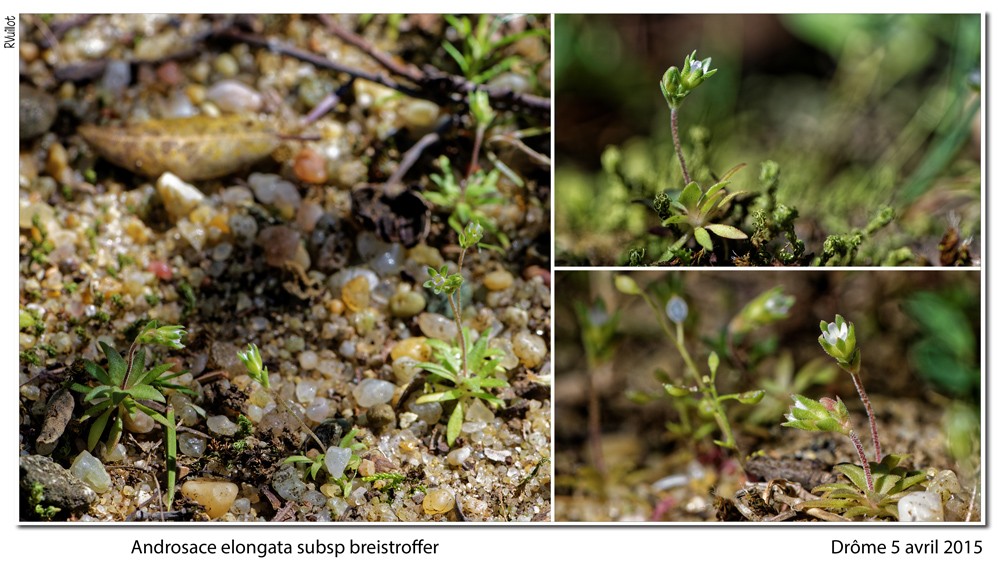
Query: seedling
x=478, y=53
x=318, y=463
x=696, y=391
x=126, y=383
x=874, y=488
x=465, y=199
x=467, y=371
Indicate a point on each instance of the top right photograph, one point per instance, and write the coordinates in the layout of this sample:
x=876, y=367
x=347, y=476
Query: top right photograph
x=768, y=140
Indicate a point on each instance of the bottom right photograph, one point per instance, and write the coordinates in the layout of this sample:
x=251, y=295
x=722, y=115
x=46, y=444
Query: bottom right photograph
x=768, y=396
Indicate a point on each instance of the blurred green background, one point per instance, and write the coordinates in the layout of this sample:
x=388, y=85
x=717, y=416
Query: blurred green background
x=860, y=111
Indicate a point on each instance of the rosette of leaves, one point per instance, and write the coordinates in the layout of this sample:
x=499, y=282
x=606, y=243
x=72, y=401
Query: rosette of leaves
x=697, y=212
x=446, y=381
x=464, y=200
x=853, y=499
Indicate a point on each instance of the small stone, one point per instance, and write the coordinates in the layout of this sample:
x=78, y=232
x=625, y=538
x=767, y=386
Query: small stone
x=216, y=497
x=356, y=293
x=438, y=501
x=437, y=326
x=60, y=488
x=458, y=456
x=371, y=392
x=336, y=461
x=308, y=360
x=305, y=391
x=226, y=65
x=170, y=74
x=922, y=506
x=271, y=189
x=179, y=197
x=529, y=348
x=405, y=304
x=191, y=445
x=318, y=410
x=90, y=470
x=116, y=78
x=221, y=425
x=116, y=454
x=430, y=413
x=498, y=280
x=381, y=417
x=139, y=422
x=310, y=166
x=233, y=96
x=420, y=114
x=404, y=369
x=280, y=244
x=287, y=483
x=425, y=255
x=36, y=111
x=415, y=347
x=479, y=412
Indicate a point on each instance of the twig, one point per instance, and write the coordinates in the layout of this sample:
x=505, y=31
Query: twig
x=387, y=62
x=411, y=156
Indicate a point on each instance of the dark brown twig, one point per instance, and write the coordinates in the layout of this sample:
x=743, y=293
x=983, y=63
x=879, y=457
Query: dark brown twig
x=387, y=62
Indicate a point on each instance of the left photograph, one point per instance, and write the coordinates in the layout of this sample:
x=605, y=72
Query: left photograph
x=284, y=268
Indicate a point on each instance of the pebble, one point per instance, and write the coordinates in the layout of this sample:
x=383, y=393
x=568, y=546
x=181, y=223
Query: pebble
x=179, y=197
x=280, y=244
x=226, y=65
x=437, y=326
x=922, y=506
x=415, y=347
x=529, y=348
x=438, y=501
x=405, y=304
x=336, y=461
x=420, y=114
x=191, y=445
x=117, y=75
x=221, y=425
x=244, y=228
x=356, y=293
x=287, y=483
x=216, y=497
x=271, y=189
x=404, y=369
x=233, y=96
x=458, y=456
x=318, y=410
x=430, y=413
x=308, y=360
x=371, y=392
x=179, y=105
x=498, y=280
x=36, y=111
x=381, y=417
x=57, y=164
x=139, y=422
x=170, y=74
x=310, y=166
x=116, y=454
x=62, y=489
x=90, y=470
x=305, y=391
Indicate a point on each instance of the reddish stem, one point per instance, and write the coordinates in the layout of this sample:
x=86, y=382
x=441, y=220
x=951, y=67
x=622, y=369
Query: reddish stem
x=674, y=130
x=871, y=415
x=864, y=460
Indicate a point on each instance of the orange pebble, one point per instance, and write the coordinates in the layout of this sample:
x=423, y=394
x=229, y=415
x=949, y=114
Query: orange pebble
x=310, y=166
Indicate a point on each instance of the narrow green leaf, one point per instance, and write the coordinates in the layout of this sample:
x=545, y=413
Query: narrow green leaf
x=449, y=395
x=732, y=171
x=116, y=364
x=97, y=429
x=703, y=238
x=95, y=392
x=150, y=376
x=97, y=372
x=455, y=423
x=171, y=436
x=138, y=365
x=491, y=399
x=146, y=393
x=726, y=231
x=715, y=188
x=438, y=371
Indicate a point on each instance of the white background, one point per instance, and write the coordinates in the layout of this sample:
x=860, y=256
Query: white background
x=474, y=543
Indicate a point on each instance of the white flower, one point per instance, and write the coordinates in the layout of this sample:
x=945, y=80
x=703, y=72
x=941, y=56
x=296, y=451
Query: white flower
x=835, y=333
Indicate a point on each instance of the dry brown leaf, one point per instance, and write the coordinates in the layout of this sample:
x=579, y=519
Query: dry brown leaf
x=193, y=148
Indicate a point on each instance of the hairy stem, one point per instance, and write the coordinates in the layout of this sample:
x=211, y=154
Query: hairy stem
x=864, y=460
x=674, y=130
x=456, y=309
x=871, y=415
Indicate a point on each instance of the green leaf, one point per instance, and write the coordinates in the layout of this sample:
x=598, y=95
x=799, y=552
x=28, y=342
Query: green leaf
x=448, y=395
x=703, y=238
x=690, y=196
x=171, y=436
x=97, y=429
x=750, y=397
x=99, y=390
x=854, y=473
x=457, y=55
x=675, y=391
x=116, y=364
x=150, y=376
x=493, y=382
x=135, y=372
x=732, y=171
x=92, y=411
x=675, y=219
x=146, y=393
x=726, y=231
x=437, y=370
x=716, y=188
x=491, y=399
x=97, y=372
x=455, y=423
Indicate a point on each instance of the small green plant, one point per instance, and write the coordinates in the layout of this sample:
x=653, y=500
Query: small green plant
x=318, y=463
x=36, y=499
x=464, y=199
x=479, y=51
x=467, y=372
x=873, y=489
x=696, y=392
x=126, y=383
x=257, y=371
